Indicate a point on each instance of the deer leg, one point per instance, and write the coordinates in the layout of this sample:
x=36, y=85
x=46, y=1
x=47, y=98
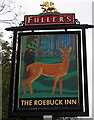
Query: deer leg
x=60, y=85
x=24, y=84
x=29, y=82
x=30, y=86
x=31, y=79
x=24, y=87
x=54, y=86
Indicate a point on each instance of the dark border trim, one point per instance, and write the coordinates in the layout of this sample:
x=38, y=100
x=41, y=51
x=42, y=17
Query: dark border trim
x=12, y=107
x=50, y=27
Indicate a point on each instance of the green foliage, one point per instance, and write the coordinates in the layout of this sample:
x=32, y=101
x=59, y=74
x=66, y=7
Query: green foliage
x=6, y=65
x=43, y=42
x=6, y=51
x=42, y=47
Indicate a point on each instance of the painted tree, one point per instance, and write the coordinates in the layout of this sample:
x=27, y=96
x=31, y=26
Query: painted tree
x=72, y=41
x=61, y=44
x=54, y=49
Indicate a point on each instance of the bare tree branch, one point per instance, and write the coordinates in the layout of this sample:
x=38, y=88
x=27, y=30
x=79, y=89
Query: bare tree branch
x=6, y=6
x=9, y=6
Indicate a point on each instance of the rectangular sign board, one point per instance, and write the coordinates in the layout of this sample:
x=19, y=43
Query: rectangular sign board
x=49, y=19
x=49, y=74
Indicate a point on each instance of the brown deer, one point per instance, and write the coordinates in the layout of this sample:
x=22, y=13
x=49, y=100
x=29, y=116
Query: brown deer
x=58, y=71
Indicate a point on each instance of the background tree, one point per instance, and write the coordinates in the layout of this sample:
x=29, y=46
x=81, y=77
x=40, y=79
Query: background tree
x=6, y=65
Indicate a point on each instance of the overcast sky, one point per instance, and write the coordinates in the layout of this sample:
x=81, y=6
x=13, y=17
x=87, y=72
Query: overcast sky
x=83, y=12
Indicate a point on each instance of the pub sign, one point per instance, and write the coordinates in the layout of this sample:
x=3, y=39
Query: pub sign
x=49, y=70
x=48, y=74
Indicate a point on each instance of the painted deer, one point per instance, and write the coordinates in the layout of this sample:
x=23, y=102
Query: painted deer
x=58, y=71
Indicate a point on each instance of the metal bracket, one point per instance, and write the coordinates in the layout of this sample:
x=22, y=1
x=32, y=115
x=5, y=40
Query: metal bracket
x=22, y=23
x=77, y=21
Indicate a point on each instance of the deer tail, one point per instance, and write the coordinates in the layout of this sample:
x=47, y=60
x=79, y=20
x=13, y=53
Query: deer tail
x=28, y=67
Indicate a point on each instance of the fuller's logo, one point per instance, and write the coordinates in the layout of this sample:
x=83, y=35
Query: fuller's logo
x=49, y=19
x=48, y=7
x=50, y=15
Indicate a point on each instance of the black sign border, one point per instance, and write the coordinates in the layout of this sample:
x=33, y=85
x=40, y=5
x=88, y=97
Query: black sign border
x=14, y=112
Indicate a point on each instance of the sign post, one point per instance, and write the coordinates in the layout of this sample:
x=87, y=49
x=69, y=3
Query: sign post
x=47, y=78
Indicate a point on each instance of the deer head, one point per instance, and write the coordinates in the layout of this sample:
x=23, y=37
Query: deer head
x=67, y=50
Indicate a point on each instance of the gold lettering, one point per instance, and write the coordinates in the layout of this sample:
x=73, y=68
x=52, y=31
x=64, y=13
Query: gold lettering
x=70, y=102
x=26, y=102
x=29, y=19
x=30, y=102
x=61, y=19
x=60, y=102
x=48, y=19
x=74, y=102
x=56, y=102
x=51, y=102
x=36, y=20
x=44, y=102
x=54, y=19
x=22, y=101
x=68, y=19
x=47, y=102
x=40, y=102
x=35, y=102
x=42, y=20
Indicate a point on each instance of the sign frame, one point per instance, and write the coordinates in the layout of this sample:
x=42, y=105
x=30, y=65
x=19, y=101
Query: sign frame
x=16, y=112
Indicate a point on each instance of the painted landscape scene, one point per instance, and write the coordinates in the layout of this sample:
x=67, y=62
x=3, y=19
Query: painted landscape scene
x=49, y=66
